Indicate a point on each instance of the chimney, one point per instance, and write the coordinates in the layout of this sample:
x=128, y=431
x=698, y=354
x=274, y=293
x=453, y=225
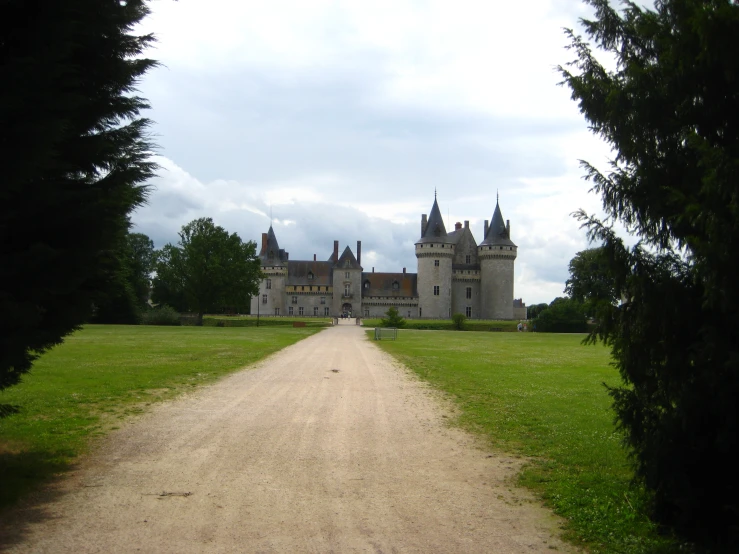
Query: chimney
x=314, y=257
x=373, y=269
x=336, y=251
x=466, y=223
x=264, y=243
x=457, y=226
x=287, y=256
x=359, y=252
x=424, y=222
x=403, y=271
x=485, y=234
x=508, y=227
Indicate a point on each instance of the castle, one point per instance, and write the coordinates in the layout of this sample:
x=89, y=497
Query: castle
x=455, y=275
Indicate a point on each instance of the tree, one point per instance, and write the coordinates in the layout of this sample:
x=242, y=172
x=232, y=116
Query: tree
x=392, y=319
x=458, y=320
x=669, y=111
x=75, y=158
x=533, y=311
x=208, y=270
x=128, y=290
x=564, y=315
x=141, y=259
x=590, y=282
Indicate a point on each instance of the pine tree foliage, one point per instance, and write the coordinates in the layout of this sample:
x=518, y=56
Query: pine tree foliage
x=208, y=270
x=670, y=110
x=75, y=157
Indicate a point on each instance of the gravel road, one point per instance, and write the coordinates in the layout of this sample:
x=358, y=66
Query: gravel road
x=326, y=446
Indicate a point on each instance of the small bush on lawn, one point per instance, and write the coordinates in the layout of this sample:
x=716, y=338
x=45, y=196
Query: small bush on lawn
x=458, y=320
x=161, y=315
x=392, y=319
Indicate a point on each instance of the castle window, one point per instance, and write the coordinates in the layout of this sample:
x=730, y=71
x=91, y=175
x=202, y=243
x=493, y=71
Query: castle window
x=264, y=299
x=315, y=310
x=289, y=310
x=436, y=263
x=366, y=285
x=277, y=311
x=325, y=310
x=436, y=290
x=468, y=310
x=269, y=283
x=295, y=299
x=469, y=293
x=271, y=254
x=347, y=275
x=420, y=312
x=300, y=310
x=347, y=290
x=323, y=299
x=467, y=259
x=396, y=285
x=366, y=313
x=310, y=275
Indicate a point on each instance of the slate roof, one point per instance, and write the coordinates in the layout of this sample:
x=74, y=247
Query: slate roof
x=435, y=230
x=497, y=232
x=381, y=284
x=298, y=272
x=347, y=260
x=271, y=246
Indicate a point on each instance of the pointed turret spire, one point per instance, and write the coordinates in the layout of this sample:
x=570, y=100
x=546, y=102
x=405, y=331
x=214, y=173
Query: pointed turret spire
x=434, y=231
x=497, y=232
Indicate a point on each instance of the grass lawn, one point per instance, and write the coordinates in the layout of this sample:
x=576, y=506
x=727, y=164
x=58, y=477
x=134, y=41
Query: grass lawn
x=541, y=396
x=104, y=373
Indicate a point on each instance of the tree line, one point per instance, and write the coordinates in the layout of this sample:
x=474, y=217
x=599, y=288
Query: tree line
x=207, y=271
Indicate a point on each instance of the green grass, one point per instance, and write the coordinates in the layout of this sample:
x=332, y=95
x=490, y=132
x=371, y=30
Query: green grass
x=104, y=373
x=541, y=396
x=448, y=325
x=266, y=321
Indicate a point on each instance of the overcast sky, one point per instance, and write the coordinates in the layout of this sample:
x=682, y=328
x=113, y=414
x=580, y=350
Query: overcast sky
x=341, y=119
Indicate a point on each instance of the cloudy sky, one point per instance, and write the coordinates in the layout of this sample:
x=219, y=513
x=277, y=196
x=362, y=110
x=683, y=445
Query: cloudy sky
x=339, y=120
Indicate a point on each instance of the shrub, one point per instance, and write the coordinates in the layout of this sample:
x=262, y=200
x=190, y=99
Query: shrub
x=392, y=319
x=161, y=315
x=458, y=320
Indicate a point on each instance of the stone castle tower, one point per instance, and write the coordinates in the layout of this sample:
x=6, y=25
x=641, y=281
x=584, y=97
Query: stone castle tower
x=455, y=275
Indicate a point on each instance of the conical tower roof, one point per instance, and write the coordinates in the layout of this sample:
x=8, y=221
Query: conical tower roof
x=270, y=247
x=497, y=232
x=347, y=260
x=435, y=230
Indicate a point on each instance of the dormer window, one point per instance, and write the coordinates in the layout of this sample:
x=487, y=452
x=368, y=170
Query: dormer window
x=271, y=254
x=396, y=285
x=366, y=285
x=310, y=275
x=437, y=231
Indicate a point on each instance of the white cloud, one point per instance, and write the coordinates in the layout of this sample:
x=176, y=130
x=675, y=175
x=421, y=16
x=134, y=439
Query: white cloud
x=338, y=120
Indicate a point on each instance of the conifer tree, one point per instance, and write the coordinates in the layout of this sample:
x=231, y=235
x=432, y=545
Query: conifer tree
x=75, y=159
x=670, y=110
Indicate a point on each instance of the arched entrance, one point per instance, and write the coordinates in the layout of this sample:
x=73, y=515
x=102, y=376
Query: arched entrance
x=346, y=310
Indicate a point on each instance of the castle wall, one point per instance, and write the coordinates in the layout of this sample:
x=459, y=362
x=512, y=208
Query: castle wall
x=496, y=268
x=352, y=278
x=431, y=305
x=274, y=278
x=463, y=279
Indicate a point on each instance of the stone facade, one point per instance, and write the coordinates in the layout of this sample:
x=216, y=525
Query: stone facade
x=455, y=275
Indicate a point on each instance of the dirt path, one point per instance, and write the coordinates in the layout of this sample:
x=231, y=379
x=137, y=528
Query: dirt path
x=328, y=446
